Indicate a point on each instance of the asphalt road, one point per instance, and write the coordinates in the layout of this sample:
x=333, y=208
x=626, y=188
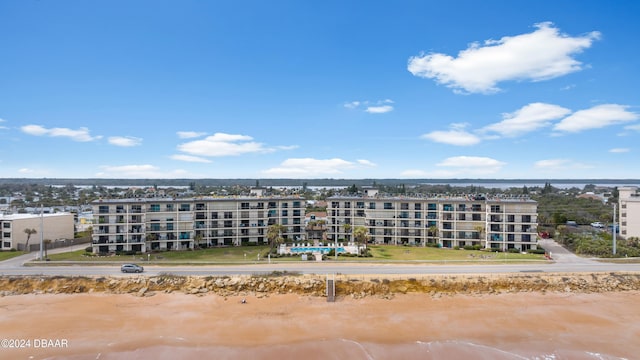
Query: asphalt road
x=564, y=262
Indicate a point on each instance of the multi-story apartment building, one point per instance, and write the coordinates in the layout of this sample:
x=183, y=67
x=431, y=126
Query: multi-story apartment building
x=47, y=226
x=496, y=223
x=178, y=224
x=629, y=210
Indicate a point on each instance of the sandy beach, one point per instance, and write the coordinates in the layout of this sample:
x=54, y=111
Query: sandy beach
x=411, y=326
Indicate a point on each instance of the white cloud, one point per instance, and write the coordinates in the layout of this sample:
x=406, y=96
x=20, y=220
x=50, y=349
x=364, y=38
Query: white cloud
x=189, y=158
x=458, y=166
x=309, y=167
x=372, y=107
x=82, y=134
x=125, y=141
x=379, y=109
x=597, y=117
x=635, y=127
x=528, y=118
x=366, y=163
x=221, y=144
x=2, y=127
x=619, y=150
x=352, y=105
x=138, y=172
x=455, y=136
x=543, y=54
x=552, y=163
x=190, y=134
x=26, y=171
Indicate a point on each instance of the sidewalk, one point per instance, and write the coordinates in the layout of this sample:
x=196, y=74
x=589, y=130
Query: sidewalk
x=18, y=261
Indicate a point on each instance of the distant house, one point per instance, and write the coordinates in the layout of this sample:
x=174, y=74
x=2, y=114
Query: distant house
x=49, y=226
x=590, y=195
x=629, y=211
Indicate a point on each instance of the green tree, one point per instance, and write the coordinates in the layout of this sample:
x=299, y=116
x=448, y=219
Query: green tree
x=274, y=235
x=433, y=232
x=361, y=236
x=347, y=229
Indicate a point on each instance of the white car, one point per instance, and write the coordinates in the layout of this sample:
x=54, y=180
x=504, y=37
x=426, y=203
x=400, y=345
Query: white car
x=131, y=268
x=597, y=224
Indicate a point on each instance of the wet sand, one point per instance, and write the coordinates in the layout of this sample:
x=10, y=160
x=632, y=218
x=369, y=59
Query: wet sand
x=413, y=326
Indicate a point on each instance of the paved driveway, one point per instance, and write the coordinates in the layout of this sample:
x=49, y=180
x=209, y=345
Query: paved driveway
x=562, y=255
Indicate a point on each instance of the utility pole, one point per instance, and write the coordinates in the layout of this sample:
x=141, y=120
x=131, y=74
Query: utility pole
x=41, y=231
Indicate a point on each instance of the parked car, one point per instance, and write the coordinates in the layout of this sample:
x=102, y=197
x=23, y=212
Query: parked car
x=597, y=224
x=131, y=268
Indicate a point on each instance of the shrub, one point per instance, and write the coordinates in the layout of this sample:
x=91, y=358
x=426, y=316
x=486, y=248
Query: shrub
x=514, y=250
x=469, y=247
x=537, y=251
x=88, y=249
x=456, y=247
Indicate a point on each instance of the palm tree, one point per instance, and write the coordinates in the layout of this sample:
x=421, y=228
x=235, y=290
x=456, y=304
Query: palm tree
x=347, y=230
x=361, y=236
x=273, y=235
x=479, y=228
x=29, y=232
x=433, y=231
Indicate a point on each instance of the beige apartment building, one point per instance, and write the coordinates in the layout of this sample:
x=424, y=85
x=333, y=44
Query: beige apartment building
x=54, y=227
x=496, y=223
x=629, y=210
x=179, y=224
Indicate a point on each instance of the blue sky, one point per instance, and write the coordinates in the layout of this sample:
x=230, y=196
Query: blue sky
x=319, y=89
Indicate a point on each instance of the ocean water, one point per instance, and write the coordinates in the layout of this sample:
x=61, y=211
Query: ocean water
x=345, y=349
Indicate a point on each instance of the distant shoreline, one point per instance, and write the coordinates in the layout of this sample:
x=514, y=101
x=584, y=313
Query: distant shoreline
x=327, y=182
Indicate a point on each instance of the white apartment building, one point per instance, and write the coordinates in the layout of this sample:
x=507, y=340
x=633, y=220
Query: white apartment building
x=47, y=227
x=629, y=210
x=179, y=224
x=496, y=223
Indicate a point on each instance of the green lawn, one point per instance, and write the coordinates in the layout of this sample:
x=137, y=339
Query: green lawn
x=250, y=254
x=400, y=253
x=6, y=255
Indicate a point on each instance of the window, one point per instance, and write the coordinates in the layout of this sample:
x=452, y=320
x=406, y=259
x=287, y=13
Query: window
x=6, y=225
x=154, y=208
x=447, y=207
x=495, y=208
x=372, y=205
x=285, y=213
x=388, y=206
x=6, y=235
x=417, y=206
x=526, y=218
x=185, y=207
